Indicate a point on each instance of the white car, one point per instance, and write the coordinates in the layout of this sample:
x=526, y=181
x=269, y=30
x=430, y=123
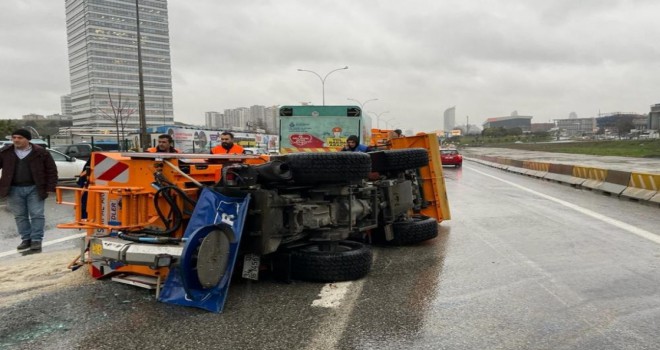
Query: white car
x=68, y=168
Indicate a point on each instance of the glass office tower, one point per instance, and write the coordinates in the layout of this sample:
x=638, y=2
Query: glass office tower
x=103, y=62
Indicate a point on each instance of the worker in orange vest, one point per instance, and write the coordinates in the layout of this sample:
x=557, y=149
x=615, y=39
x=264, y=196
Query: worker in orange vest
x=165, y=145
x=227, y=145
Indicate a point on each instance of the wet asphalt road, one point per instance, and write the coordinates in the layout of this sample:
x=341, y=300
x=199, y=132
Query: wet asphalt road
x=523, y=264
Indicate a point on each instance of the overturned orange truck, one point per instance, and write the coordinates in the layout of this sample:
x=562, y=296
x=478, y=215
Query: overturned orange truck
x=182, y=223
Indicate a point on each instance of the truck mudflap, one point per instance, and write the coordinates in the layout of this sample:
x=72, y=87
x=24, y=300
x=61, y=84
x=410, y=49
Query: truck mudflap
x=213, y=235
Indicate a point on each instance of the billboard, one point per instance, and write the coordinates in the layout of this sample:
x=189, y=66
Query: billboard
x=197, y=140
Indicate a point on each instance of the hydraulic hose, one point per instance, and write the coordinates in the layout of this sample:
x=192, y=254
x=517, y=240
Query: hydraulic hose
x=171, y=226
x=177, y=215
x=148, y=239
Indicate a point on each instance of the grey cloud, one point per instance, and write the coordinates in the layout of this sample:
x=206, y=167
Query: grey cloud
x=542, y=58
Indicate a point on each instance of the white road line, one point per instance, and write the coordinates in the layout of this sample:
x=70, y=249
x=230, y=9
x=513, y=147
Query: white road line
x=332, y=327
x=331, y=295
x=620, y=224
x=45, y=244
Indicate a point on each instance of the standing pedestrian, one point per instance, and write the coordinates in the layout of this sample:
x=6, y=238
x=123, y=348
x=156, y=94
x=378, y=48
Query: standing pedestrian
x=227, y=145
x=28, y=174
x=165, y=145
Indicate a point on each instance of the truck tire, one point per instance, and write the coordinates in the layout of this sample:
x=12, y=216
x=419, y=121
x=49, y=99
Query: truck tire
x=416, y=229
x=350, y=261
x=309, y=168
x=404, y=159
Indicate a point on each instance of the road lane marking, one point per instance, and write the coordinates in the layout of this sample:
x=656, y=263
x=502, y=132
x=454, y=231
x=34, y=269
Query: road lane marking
x=45, y=244
x=331, y=295
x=620, y=224
x=331, y=329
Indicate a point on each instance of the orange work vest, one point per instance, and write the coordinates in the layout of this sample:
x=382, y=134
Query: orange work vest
x=235, y=149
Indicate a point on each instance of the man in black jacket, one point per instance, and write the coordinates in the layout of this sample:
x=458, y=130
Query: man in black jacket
x=28, y=174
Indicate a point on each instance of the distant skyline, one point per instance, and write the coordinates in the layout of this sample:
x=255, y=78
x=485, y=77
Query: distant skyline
x=544, y=59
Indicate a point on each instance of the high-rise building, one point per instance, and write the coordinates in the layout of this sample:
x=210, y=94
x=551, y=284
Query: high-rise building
x=65, y=103
x=257, y=118
x=103, y=62
x=272, y=119
x=654, y=117
x=449, y=119
x=213, y=120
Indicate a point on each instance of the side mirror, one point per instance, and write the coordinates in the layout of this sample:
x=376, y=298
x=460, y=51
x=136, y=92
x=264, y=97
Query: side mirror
x=72, y=159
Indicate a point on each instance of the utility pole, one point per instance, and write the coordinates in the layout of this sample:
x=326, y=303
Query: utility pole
x=144, y=138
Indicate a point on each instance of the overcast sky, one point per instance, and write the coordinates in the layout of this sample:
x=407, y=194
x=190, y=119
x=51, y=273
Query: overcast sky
x=488, y=58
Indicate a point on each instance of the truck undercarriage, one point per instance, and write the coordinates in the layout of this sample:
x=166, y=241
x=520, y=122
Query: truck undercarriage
x=187, y=219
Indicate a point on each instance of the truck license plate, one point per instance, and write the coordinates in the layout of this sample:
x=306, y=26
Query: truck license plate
x=251, y=266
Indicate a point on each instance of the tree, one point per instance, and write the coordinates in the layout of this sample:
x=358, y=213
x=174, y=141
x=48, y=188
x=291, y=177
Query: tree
x=494, y=132
x=6, y=127
x=624, y=126
x=120, y=115
x=514, y=131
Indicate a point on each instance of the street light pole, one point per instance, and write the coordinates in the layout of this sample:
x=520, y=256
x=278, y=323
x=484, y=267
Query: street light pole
x=322, y=79
x=387, y=122
x=144, y=138
x=362, y=104
x=378, y=118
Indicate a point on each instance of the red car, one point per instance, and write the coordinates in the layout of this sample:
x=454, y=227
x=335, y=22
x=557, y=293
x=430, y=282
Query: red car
x=451, y=157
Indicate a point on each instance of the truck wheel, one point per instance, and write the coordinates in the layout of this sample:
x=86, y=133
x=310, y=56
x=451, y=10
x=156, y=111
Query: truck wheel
x=414, y=230
x=349, y=261
x=308, y=168
x=403, y=159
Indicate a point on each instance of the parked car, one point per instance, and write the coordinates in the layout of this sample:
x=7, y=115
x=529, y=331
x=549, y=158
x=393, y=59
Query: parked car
x=78, y=150
x=451, y=157
x=68, y=168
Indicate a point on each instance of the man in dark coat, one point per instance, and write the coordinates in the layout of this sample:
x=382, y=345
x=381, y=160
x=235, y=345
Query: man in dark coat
x=353, y=145
x=28, y=174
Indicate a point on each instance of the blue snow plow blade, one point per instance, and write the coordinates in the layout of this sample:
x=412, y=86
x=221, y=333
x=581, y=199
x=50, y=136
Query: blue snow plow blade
x=213, y=235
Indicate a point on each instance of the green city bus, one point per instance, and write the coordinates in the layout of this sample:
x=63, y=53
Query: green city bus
x=321, y=128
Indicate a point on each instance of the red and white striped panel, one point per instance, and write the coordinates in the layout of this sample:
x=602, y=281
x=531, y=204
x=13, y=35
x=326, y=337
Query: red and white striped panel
x=108, y=169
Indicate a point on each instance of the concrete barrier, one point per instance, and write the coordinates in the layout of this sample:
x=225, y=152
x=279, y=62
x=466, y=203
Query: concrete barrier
x=502, y=162
x=563, y=173
x=635, y=185
x=536, y=169
x=594, y=177
x=643, y=186
x=515, y=166
x=616, y=181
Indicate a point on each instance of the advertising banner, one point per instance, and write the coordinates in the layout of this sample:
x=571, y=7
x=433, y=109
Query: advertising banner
x=317, y=132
